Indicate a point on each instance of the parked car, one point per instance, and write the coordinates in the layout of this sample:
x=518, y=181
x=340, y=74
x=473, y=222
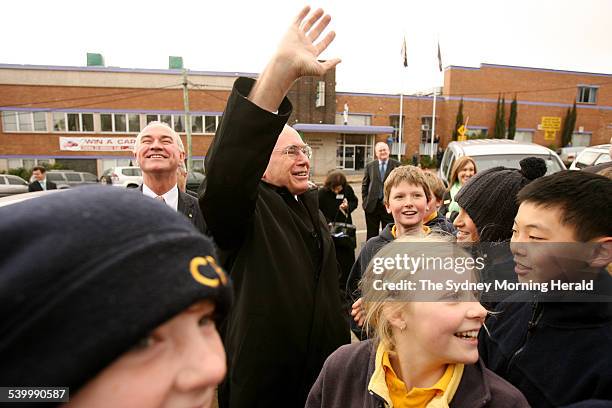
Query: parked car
x=129, y=177
x=10, y=185
x=70, y=178
x=194, y=179
x=488, y=153
x=568, y=154
x=17, y=198
x=592, y=156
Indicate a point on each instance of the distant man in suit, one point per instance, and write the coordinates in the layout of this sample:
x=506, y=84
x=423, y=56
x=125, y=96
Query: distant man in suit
x=41, y=183
x=376, y=173
x=159, y=152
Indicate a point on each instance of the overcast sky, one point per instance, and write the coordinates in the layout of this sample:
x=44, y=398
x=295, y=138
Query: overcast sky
x=240, y=35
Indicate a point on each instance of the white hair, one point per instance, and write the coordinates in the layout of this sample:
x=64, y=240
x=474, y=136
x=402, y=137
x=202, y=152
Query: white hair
x=164, y=125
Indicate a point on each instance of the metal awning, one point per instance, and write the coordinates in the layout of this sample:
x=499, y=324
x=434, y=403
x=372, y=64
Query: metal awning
x=325, y=128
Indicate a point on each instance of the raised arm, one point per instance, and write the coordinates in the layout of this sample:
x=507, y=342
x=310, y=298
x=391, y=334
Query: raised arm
x=252, y=121
x=295, y=57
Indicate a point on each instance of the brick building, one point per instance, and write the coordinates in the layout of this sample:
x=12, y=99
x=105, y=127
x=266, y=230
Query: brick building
x=86, y=117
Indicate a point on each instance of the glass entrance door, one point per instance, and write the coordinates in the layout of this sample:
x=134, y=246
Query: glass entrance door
x=349, y=157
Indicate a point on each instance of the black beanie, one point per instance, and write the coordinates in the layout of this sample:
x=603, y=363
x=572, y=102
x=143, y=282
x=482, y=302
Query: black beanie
x=489, y=197
x=87, y=273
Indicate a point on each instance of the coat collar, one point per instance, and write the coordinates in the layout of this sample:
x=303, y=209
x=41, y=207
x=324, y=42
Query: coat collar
x=474, y=390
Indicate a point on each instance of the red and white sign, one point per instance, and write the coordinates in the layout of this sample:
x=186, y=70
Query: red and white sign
x=97, y=144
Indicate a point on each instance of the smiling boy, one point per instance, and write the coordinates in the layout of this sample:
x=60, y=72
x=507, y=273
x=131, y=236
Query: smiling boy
x=557, y=353
x=406, y=198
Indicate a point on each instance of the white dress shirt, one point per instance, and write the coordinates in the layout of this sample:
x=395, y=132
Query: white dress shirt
x=170, y=197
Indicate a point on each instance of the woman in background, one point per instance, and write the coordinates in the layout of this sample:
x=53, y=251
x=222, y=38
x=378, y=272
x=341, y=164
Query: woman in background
x=463, y=169
x=337, y=200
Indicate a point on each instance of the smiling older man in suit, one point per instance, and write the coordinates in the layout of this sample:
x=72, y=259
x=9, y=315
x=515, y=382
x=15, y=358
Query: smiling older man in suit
x=376, y=173
x=159, y=151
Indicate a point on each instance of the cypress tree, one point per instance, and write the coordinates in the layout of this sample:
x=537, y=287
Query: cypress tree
x=572, y=121
x=458, y=120
x=566, y=134
x=497, y=112
x=512, y=119
x=502, y=119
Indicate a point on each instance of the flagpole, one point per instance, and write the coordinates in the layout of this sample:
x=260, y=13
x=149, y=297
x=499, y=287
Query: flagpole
x=433, y=117
x=401, y=127
x=400, y=133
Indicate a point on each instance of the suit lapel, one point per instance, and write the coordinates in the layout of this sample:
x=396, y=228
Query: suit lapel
x=184, y=206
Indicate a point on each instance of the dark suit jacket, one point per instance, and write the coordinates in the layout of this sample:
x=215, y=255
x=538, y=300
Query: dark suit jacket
x=35, y=186
x=188, y=206
x=372, y=186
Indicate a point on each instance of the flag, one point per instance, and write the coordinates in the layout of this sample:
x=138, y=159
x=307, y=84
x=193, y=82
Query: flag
x=439, y=57
x=404, y=53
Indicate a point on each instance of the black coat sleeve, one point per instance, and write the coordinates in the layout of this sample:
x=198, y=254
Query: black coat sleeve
x=365, y=186
x=349, y=193
x=236, y=162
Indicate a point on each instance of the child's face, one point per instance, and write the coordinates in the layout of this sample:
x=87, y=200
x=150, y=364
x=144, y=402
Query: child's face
x=178, y=365
x=407, y=203
x=443, y=332
x=534, y=234
x=466, y=229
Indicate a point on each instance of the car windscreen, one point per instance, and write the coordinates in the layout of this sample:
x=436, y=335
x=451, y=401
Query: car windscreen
x=512, y=161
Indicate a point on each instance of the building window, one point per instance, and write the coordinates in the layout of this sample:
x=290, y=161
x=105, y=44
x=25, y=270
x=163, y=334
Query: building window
x=106, y=122
x=120, y=122
x=196, y=124
x=210, y=124
x=199, y=124
x=394, y=122
x=476, y=133
x=9, y=121
x=76, y=122
x=133, y=122
x=587, y=94
x=353, y=152
x=24, y=121
x=354, y=120
x=40, y=121
x=167, y=119
x=426, y=123
x=59, y=121
x=179, y=123
x=581, y=139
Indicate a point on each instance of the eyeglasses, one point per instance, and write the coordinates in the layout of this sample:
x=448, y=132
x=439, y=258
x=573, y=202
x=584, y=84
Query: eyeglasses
x=294, y=151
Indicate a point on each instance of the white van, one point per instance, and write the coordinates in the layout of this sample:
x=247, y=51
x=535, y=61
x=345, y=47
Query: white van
x=488, y=153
